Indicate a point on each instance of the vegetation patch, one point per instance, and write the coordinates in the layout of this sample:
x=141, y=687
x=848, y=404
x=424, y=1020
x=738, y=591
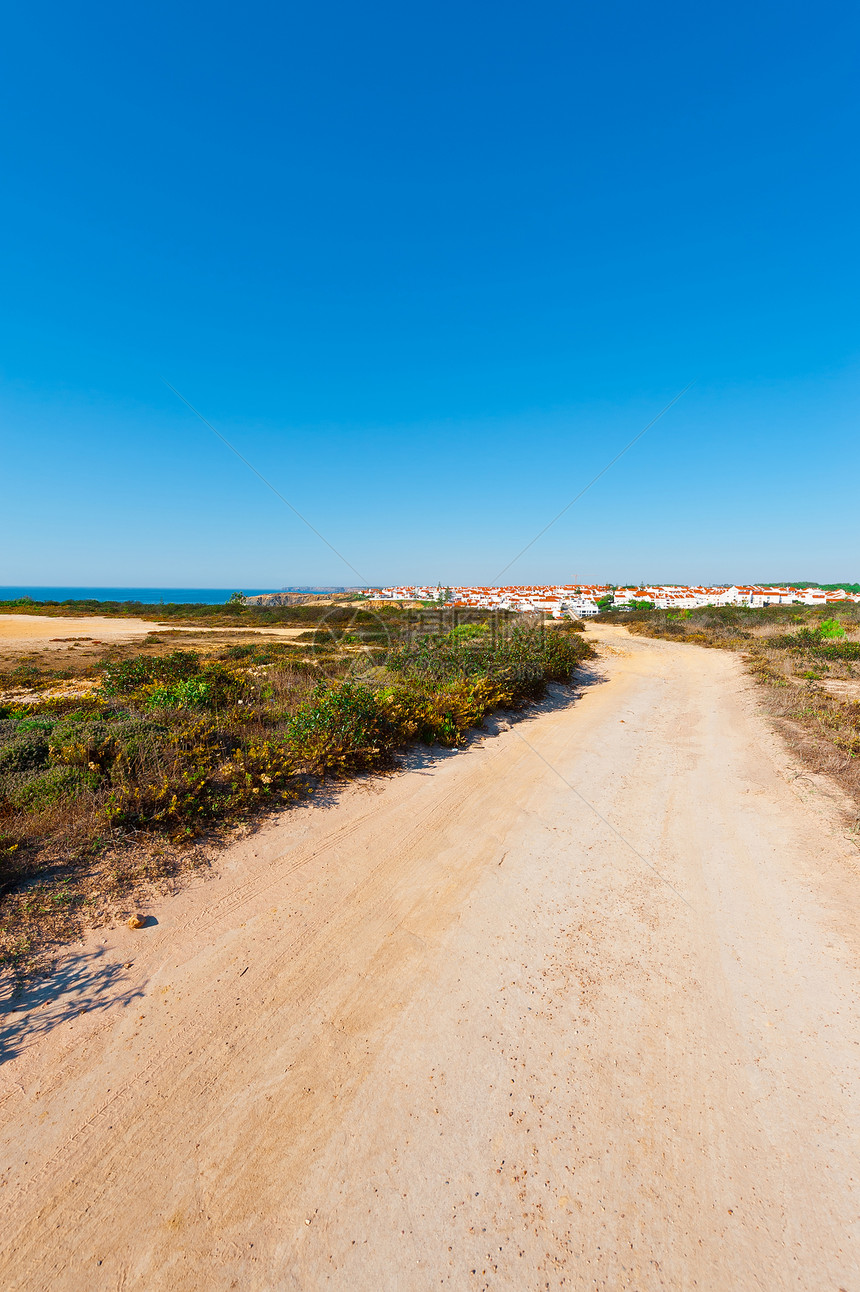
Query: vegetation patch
x=176, y=743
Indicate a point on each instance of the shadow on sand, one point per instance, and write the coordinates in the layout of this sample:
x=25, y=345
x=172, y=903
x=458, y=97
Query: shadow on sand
x=82, y=982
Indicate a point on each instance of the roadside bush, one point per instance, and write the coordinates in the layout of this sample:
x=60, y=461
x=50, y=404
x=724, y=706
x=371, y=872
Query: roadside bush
x=812, y=642
x=136, y=738
x=242, y=651
x=12, y=728
x=468, y=632
x=441, y=715
x=83, y=744
x=51, y=786
x=176, y=742
x=522, y=659
x=25, y=752
x=130, y=675
x=341, y=729
x=190, y=693
x=99, y=745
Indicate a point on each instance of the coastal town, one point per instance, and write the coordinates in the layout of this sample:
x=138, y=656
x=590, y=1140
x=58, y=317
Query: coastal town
x=576, y=600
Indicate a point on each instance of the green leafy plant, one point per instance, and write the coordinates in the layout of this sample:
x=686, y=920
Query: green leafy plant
x=128, y=676
x=53, y=785
x=188, y=693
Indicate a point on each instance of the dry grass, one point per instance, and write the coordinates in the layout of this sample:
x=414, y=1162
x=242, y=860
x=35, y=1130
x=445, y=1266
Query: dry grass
x=822, y=729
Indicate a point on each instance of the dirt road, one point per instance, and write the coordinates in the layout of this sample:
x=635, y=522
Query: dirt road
x=573, y=1008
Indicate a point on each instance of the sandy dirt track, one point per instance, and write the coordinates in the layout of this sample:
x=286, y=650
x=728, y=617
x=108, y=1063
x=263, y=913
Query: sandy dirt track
x=572, y=1008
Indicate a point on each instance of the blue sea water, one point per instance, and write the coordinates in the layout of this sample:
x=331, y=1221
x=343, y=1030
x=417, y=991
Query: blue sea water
x=146, y=596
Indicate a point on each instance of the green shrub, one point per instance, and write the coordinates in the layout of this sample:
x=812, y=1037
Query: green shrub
x=52, y=785
x=136, y=738
x=131, y=675
x=82, y=744
x=190, y=693
x=242, y=651
x=467, y=632
x=831, y=628
x=12, y=728
x=839, y=651
x=341, y=729
x=99, y=745
x=524, y=659
x=25, y=752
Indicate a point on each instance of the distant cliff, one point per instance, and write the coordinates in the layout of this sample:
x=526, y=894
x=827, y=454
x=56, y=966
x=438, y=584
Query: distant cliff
x=297, y=598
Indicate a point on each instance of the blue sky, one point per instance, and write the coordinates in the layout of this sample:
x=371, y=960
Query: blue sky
x=429, y=268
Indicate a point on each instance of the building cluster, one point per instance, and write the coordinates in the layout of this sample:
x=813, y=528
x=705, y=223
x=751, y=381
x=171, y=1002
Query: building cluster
x=577, y=600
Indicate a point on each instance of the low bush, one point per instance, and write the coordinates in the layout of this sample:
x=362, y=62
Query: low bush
x=131, y=675
x=22, y=753
x=53, y=785
x=172, y=743
x=342, y=729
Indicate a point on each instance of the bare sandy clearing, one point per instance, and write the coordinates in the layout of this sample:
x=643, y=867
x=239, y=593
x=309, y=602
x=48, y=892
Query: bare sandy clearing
x=573, y=1009
x=28, y=632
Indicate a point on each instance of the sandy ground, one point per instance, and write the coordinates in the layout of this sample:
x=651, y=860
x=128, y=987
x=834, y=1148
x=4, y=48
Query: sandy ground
x=36, y=632
x=572, y=1008
x=29, y=632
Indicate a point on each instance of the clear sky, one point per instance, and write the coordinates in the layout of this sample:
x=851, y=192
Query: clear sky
x=429, y=267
